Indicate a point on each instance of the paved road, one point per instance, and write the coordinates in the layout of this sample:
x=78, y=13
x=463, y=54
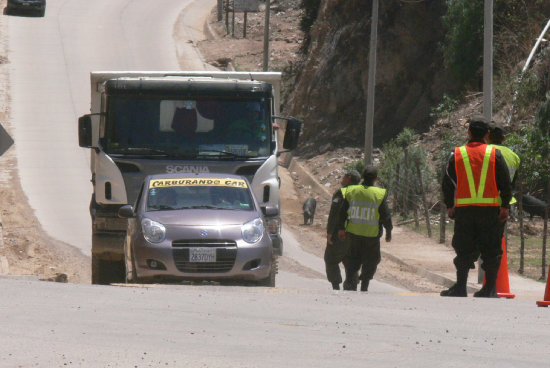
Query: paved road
x=207, y=326
x=50, y=62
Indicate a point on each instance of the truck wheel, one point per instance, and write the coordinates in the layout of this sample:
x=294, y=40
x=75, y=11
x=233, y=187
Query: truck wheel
x=106, y=272
x=269, y=281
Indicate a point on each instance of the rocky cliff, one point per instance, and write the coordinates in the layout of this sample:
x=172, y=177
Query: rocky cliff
x=330, y=85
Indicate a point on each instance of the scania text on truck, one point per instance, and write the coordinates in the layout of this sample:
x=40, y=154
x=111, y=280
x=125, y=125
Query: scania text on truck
x=145, y=123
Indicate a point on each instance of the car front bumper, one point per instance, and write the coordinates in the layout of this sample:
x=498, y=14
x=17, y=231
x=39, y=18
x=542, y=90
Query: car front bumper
x=238, y=261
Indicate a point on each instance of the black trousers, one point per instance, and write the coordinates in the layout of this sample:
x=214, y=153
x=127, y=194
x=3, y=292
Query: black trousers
x=364, y=253
x=335, y=254
x=477, y=231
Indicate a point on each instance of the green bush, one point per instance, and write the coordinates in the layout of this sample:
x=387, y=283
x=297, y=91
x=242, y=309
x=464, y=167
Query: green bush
x=358, y=165
x=444, y=109
x=400, y=153
x=532, y=144
x=463, y=45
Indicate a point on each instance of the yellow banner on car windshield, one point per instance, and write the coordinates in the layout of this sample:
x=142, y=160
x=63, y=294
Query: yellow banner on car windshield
x=205, y=182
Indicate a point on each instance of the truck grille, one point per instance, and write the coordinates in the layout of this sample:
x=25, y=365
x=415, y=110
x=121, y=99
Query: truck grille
x=226, y=252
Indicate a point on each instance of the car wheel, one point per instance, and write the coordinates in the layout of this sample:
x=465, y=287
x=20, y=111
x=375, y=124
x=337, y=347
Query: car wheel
x=269, y=281
x=42, y=12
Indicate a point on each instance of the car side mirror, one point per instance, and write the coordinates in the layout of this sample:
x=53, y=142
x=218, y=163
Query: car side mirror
x=85, y=131
x=269, y=210
x=126, y=211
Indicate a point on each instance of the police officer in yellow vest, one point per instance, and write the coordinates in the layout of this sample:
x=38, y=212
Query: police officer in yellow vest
x=361, y=217
x=496, y=138
x=476, y=174
x=337, y=250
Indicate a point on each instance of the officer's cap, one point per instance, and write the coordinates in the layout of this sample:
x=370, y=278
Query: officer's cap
x=371, y=172
x=478, y=123
x=353, y=174
x=496, y=126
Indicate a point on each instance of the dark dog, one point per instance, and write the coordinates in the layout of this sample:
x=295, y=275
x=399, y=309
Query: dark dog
x=309, y=210
x=533, y=206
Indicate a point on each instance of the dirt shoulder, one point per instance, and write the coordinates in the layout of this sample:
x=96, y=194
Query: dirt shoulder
x=25, y=249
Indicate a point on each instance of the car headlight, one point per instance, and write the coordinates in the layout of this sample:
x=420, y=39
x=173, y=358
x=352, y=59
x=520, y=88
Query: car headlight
x=153, y=231
x=253, y=230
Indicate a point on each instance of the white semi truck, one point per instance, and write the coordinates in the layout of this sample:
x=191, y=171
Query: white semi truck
x=144, y=123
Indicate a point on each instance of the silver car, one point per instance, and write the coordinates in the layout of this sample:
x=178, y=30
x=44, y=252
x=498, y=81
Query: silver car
x=198, y=227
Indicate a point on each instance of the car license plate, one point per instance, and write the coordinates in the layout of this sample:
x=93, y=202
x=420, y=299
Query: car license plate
x=202, y=255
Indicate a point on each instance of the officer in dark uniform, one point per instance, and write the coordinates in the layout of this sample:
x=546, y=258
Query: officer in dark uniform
x=361, y=217
x=476, y=174
x=336, y=249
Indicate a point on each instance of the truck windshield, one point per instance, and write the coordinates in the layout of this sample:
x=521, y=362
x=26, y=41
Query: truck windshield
x=199, y=197
x=205, y=128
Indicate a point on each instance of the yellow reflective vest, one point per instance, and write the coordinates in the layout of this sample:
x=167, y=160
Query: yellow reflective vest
x=513, y=162
x=363, y=213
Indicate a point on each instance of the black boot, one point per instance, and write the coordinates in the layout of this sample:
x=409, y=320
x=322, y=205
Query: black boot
x=351, y=281
x=489, y=290
x=350, y=285
x=365, y=285
x=335, y=286
x=458, y=289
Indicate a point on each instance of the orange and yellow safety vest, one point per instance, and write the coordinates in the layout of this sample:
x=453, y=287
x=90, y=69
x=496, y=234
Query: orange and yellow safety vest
x=475, y=173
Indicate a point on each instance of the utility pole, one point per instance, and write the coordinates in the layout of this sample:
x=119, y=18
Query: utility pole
x=487, y=81
x=233, y=21
x=227, y=16
x=266, y=35
x=220, y=10
x=371, y=84
x=488, y=61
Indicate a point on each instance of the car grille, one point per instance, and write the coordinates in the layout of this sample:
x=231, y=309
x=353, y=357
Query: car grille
x=226, y=252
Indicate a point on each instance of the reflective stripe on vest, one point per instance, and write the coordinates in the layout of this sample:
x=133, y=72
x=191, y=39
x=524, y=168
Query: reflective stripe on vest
x=476, y=197
x=363, y=213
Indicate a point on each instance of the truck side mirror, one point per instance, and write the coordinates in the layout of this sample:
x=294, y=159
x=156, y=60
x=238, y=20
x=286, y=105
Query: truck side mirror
x=292, y=133
x=85, y=131
x=126, y=211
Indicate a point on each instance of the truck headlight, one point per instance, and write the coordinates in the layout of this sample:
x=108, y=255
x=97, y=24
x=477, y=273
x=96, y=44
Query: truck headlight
x=253, y=230
x=273, y=225
x=153, y=231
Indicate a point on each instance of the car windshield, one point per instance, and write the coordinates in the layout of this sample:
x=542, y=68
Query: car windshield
x=210, y=129
x=192, y=195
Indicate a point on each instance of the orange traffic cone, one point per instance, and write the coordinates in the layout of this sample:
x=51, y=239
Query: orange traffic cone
x=503, y=282
x=546, y=301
